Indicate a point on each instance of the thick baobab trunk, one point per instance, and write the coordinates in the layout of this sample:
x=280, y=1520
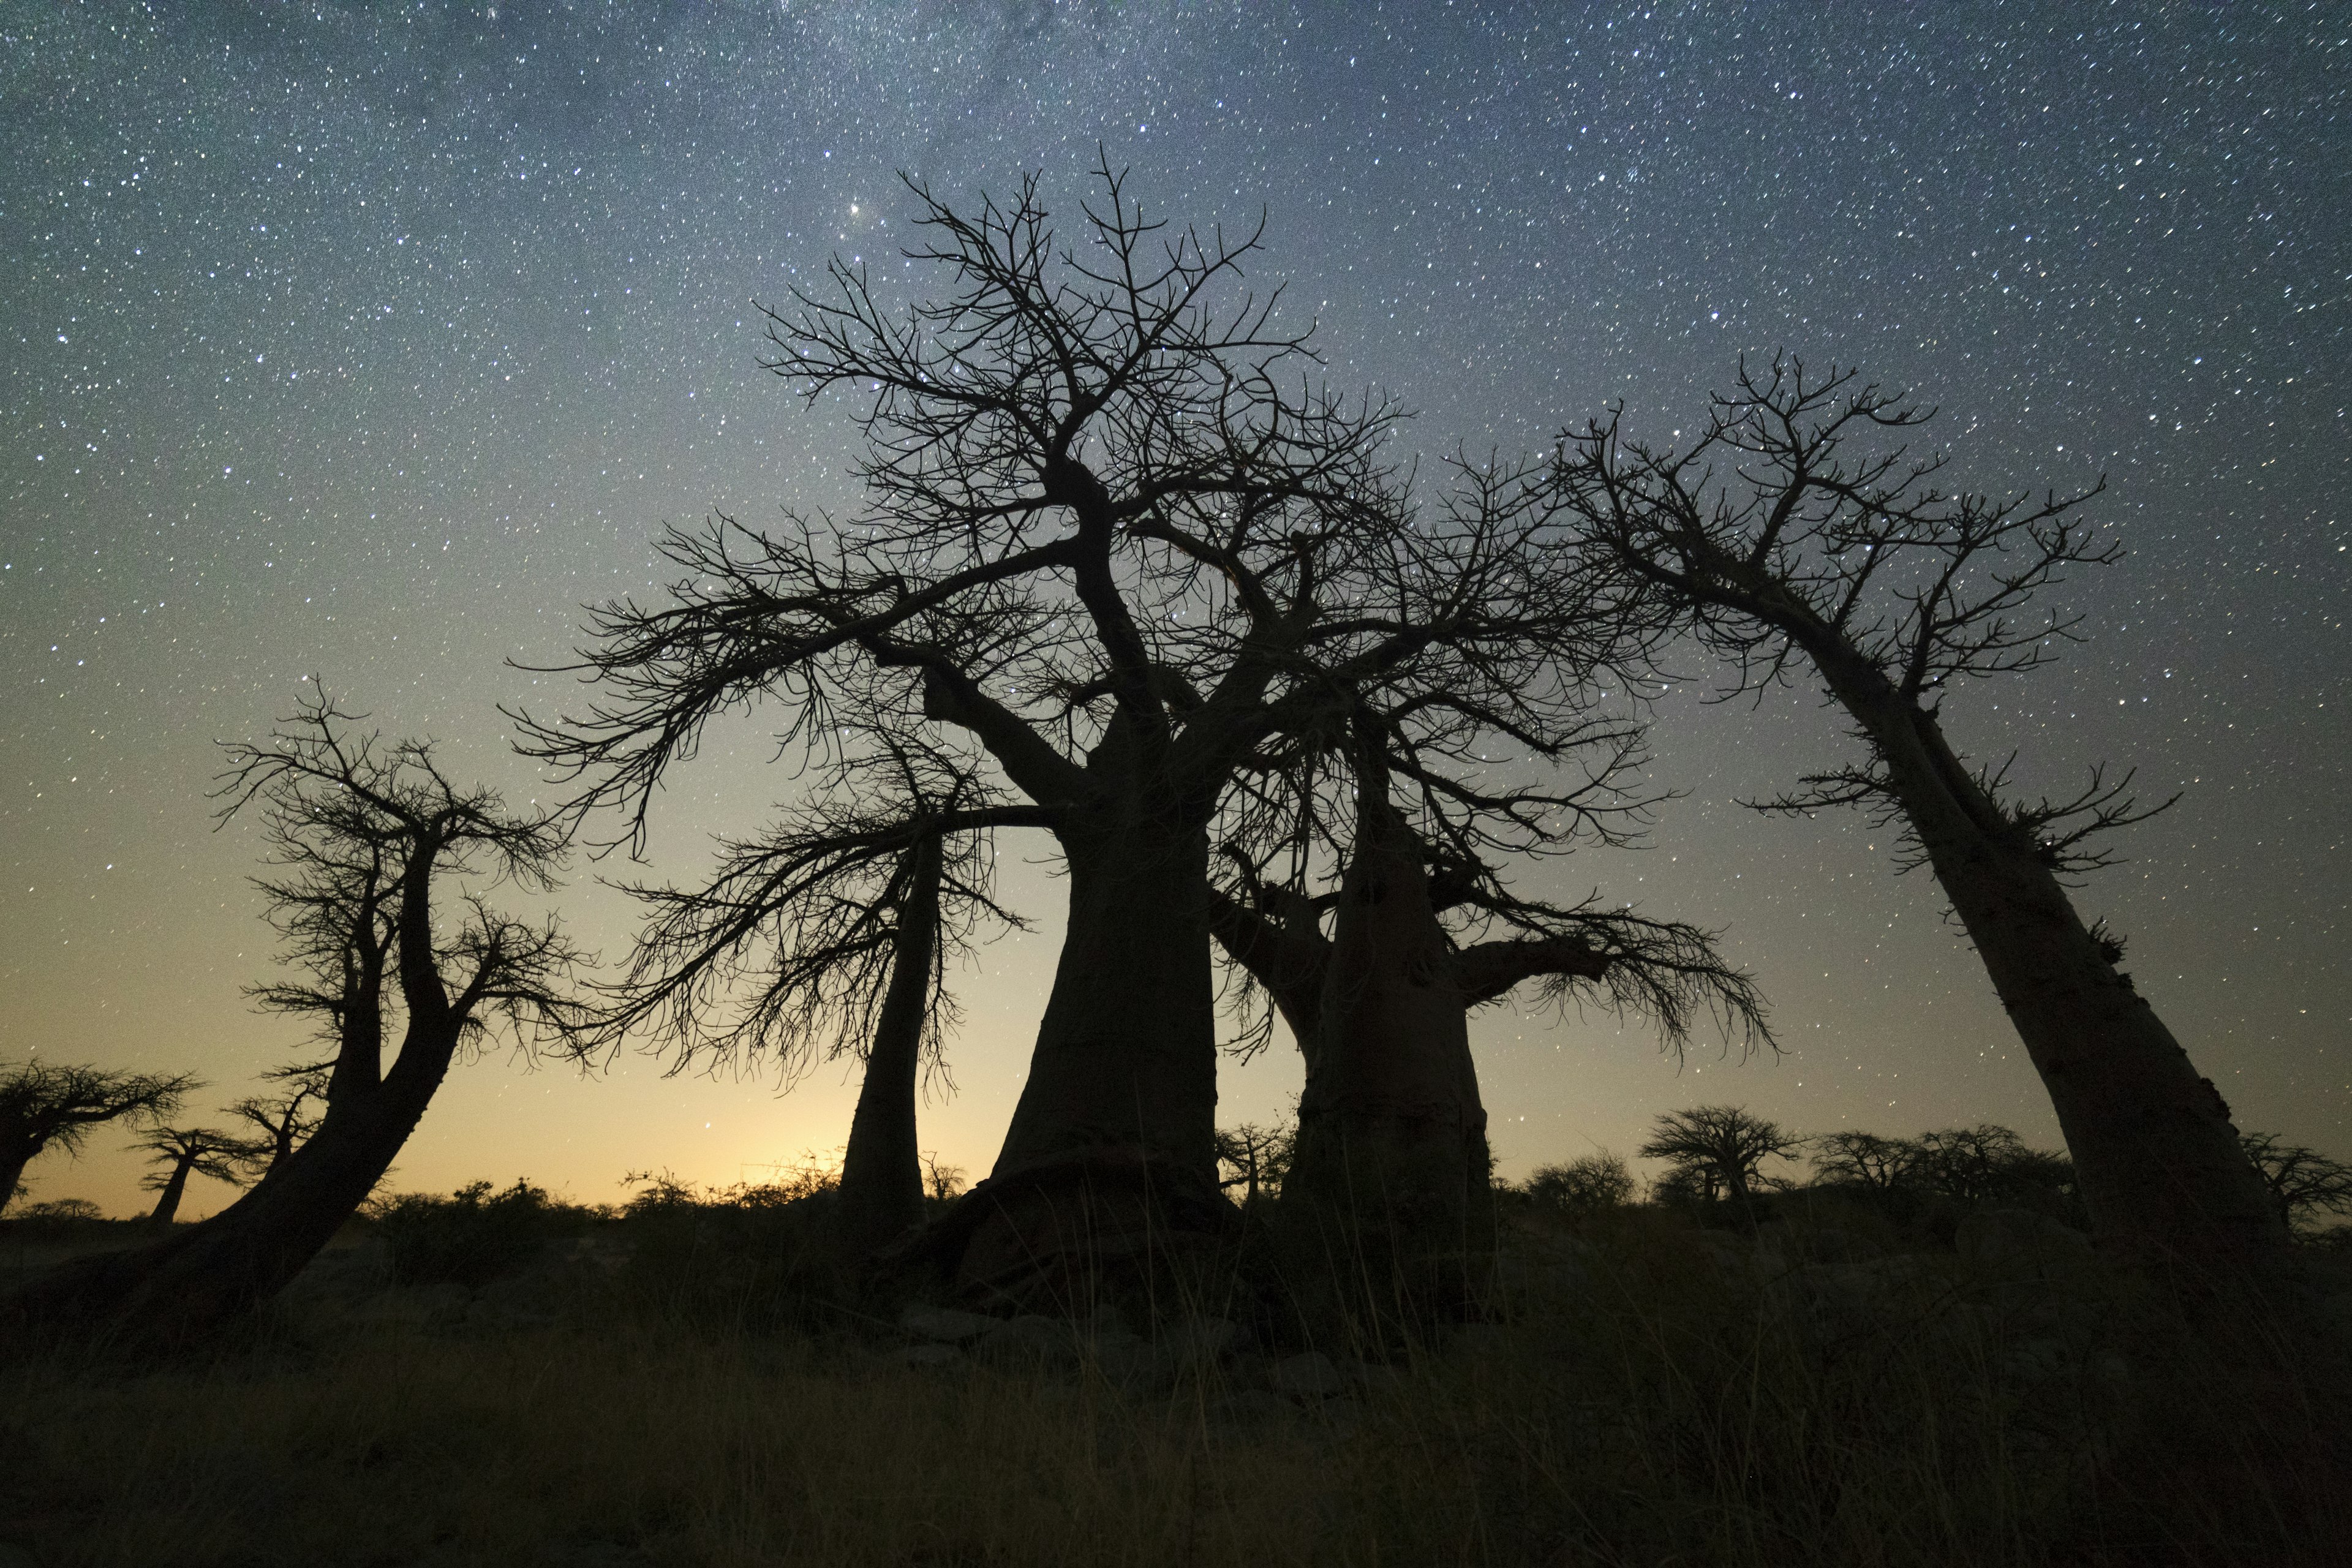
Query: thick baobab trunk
x=2167, y=1183
x=1391, y=1135
x=13, y=1162
x=1111, y=1153
x=881, y=1193
x=179, y=1287
x=175, y=1186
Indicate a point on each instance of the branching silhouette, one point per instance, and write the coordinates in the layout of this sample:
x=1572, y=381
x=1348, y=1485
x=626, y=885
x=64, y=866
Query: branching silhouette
x=1720, y=1148
x=281, y=1120
x=382, y=868
x=49, y=1106
x=1788, y=548
x=1118, y=537
x=179, y=1152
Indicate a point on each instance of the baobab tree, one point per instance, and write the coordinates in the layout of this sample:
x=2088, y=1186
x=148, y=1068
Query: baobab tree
x=47, y=1106
x=1392, y=1129
x=1721, y=1148
x=381, y=871
x=179, y=1152
x=830, y=934
x=1117, y=538
x=1787, y=548
x=1864, y=1160
x=2304, y=1184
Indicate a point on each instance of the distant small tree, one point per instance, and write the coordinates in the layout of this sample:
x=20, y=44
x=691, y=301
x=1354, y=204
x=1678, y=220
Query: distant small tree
x=941, y=1182
x=179, y=1152
x=1986, y=1164
x=2304, y=1183
x=1588, y=1184
x=1864, y=1160
x=44, y=1106
x=1254, y=1157
x=1723, y=1146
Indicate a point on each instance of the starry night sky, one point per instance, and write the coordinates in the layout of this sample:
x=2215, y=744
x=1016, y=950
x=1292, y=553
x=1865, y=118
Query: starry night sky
x=368, y=343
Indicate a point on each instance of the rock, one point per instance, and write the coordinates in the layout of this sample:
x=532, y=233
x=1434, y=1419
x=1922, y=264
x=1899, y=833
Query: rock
x=1249, y=1406
x=1834, y=1302
x=1199, y=1341
x=1341, y=1413
x=1311, y=1375
x=928, y=1355
x=1477, y=1341
x=415, y=1304
x=1737, y=1257
x=945, y=1324
x=1130, y=1364
x=1029, y=1342
x=494, y=1314
x=2038, y=1360
x=2019, y=1244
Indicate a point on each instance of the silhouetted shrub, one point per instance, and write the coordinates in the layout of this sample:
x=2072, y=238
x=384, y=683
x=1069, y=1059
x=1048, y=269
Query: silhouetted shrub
x=471, y=1236
x=1587, y=1185
x=753, y=1255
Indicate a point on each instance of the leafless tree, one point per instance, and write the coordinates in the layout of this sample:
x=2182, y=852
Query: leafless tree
x=1790, y=548
x=1117, y=536
x=1588, y=1184
x=1254, y=1157
x=1723, y=1146
x=1864, y=1160
x=830, y=932
x=1985, y=1163
x=381, y=868
x=281, y=1120
x=46, y=1106
x=2304, y=1183
x=179, y=1152
x=1391, y=1128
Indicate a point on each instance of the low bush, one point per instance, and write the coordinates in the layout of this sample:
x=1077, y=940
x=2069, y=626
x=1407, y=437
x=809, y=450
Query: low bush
x=473, y=1234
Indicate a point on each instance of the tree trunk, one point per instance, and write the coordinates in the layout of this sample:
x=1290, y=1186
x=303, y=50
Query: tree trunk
x=179, y=1287
x=881, y=1193
x=1126, y=1053
x=12, y=1171
x=1111, y=1154
x=2162, y=1172
x=1391, y=1133
x=167, y=1207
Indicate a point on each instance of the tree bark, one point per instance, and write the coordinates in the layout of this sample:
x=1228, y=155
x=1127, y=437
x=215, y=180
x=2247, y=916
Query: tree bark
x=167, y=1206
x=1392, y=1133
x=12, y=1171
x=1125, y=1054
x=180, y=1286
x=2166, y=1181
x=1109, y=1164
x=881, y=1194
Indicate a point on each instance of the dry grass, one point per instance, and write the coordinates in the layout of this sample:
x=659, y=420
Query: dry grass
x=1637, y=1406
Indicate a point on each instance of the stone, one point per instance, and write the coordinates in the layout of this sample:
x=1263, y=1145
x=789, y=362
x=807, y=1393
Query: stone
x=945, y=1324
x=2020, y=1243
x=1477, y=1341
x=1029, y=1342
x=1251, y=1406
x=1199, y=1341
x=415, y=1304
x=1311, y=1375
